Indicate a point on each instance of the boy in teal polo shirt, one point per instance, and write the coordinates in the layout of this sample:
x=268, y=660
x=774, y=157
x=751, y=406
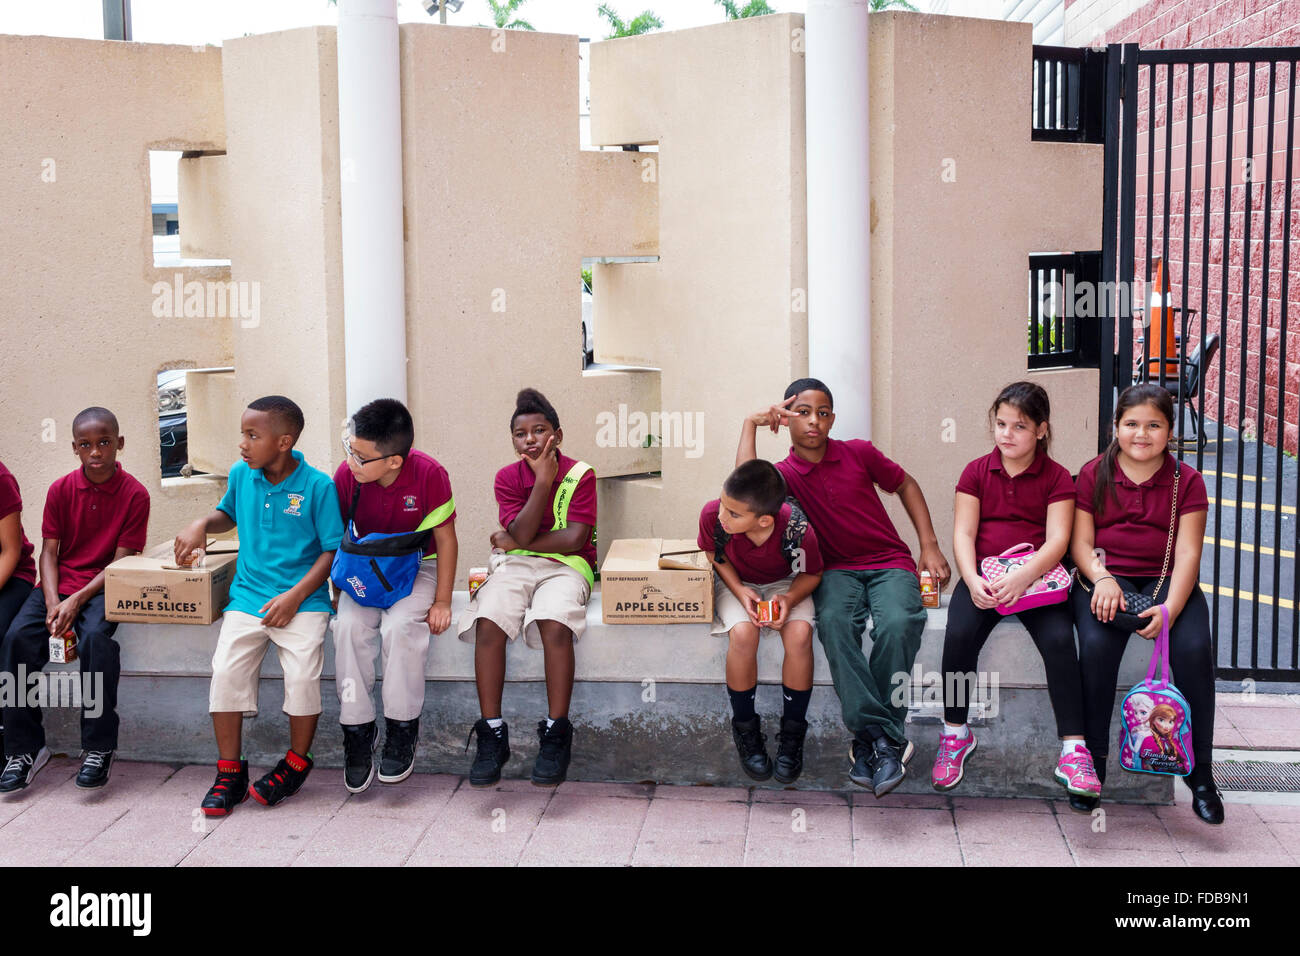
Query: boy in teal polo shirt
x=289, y=525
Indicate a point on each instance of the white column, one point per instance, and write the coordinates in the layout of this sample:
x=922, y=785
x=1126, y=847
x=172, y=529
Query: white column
x=370, y=154
x=839, y=208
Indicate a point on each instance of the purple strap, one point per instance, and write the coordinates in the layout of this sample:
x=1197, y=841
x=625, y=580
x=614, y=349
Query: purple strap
x=1160, y=654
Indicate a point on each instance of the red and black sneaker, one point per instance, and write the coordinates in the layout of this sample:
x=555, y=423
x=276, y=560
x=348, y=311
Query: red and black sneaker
x=230, y=789
x=289, y=774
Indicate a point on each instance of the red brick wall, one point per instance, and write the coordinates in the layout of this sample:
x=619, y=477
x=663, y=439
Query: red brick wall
x=1181, y=24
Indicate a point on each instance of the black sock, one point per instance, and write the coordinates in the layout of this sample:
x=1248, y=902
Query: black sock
x=796, y=703
x=742, y=703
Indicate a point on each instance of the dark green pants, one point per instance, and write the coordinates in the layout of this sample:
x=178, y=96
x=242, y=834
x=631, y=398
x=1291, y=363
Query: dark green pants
x=873, y=690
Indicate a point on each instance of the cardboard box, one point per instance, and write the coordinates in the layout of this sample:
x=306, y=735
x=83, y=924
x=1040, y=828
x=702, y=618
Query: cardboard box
x=150, y=589
x=656, y=581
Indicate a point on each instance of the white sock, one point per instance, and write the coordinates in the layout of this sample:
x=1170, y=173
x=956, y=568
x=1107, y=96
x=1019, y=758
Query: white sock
x=961, y=733
x=1069, y=745
x=495, y=723
x=550, y=722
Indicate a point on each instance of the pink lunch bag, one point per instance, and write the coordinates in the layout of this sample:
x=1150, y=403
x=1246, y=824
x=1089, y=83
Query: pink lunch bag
x=1052, y=588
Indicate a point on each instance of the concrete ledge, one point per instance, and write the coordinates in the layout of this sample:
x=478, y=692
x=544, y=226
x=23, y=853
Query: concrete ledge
x=649, y=704
x=677, y=653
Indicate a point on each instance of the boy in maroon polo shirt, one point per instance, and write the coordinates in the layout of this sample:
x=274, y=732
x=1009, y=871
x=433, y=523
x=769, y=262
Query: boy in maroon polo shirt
x=93, y=516
x=17, y=569
x=546, y=502
x=763, y=558
x=868, y=569
x=395, y=489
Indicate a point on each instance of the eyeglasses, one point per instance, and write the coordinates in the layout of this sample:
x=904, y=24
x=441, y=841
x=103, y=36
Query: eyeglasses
x=361, y=462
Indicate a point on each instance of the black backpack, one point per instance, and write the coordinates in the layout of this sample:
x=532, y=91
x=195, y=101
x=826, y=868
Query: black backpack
x=791, y=540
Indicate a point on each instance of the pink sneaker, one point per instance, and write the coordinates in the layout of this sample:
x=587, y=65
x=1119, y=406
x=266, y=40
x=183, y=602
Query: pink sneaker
x=1077, y=774
x=949, y=763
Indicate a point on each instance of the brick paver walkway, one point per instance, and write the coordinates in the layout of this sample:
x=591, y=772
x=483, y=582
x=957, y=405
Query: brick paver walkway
x=147, y=816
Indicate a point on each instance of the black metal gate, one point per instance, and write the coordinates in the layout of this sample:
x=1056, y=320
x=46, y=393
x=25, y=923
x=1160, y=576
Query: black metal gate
x=1198, y=228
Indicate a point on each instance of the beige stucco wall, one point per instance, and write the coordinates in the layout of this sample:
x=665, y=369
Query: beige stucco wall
x=949, y=258
x=725, y=105
x=282, y=168
x=77, y=300
x=203, y=206
x=500, y=207
x=499, y=213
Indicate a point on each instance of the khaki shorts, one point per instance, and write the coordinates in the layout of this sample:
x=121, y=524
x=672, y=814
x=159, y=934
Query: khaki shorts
x=237, y=662
x=728, y=611
x=523, y=590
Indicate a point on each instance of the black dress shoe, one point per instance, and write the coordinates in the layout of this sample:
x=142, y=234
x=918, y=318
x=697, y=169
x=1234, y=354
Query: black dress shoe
x=1083, y=804
x=1207, y=803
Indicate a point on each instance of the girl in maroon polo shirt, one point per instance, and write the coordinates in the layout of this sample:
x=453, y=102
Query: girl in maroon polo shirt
x=1013, y=495
x=1121, y=542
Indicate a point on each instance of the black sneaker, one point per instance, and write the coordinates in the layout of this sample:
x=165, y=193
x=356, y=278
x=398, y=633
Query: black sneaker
x=359, y=742
x=493, y=752
x=94, y=769
x=400, y=740
x=789, y=750
x=890, y=765
x=1083, y=804
x=230, y=790
x=21, y=768
x=556, y=746
x=862, y=761
x=751, y=745
x=284, y=781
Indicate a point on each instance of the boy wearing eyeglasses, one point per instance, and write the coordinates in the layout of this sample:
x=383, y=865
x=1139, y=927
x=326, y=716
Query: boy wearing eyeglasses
x=396, y=489
x=287, y=513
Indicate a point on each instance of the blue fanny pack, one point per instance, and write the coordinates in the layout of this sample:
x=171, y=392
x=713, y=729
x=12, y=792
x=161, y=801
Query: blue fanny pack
x=377, y=570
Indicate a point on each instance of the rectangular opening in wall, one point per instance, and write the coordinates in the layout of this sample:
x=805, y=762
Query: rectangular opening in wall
x=187, y=208
x=589, y=311
x=174, y=418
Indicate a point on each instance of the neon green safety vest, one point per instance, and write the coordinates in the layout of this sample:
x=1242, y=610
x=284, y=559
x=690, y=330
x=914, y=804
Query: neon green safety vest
x=562, y=498
x=436, y=517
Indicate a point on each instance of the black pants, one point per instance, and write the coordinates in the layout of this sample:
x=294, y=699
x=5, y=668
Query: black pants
x=1052, y=630
x=1191, y=668
x=26, y=643
x=12, y=596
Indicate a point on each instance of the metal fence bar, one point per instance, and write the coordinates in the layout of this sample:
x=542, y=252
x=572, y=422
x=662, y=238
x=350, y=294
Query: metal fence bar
x=1286, y=274
x=1223, y=366
x=1245, y=346
x=1263, y=376
x=1183, y=398
x=1111, y=190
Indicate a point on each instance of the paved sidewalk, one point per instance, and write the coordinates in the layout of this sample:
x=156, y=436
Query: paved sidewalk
x=148, y=816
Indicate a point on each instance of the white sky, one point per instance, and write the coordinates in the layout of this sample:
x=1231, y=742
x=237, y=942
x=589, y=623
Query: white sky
x=211, y=21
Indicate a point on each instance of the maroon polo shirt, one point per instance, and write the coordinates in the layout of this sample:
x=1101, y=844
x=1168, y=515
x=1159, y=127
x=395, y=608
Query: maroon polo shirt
x=514, y=483
x=92, y=521
x=839, y=496
x=1013, y=509
x=762, y=563
x=11, y=502
x=421, y=487
x=1133, y=534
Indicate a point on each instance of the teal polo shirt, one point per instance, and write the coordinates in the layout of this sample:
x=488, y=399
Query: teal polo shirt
x=283, y=529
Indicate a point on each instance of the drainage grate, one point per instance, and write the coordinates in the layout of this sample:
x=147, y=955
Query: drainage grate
x=1257, y=776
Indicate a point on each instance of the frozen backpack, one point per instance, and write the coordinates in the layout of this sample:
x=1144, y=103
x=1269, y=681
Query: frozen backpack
x=1156, y=723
